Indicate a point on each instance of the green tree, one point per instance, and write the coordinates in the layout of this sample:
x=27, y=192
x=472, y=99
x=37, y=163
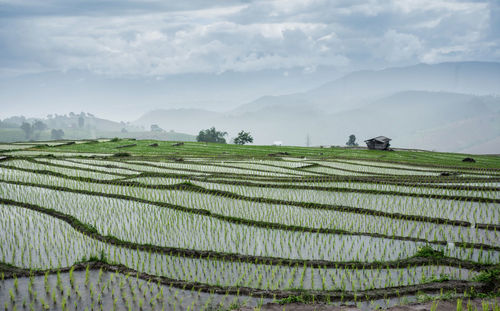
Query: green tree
x=39, y=126
x=243, y=138
x=352, y=141
x=27, y=129
x=56, y=134
x=211, y=135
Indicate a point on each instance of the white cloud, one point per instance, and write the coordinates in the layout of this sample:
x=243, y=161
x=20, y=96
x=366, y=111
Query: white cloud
x=397, y=47
x=147, y=39
x=410, y=6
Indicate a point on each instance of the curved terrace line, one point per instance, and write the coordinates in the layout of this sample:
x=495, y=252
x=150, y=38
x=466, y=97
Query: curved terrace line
x=415, y=169
x=342, y=189
x=194, y=188
x=316, y=153
x=333, y=189
x=345, y=180
x=118, y=175
x=424, y=181
x=215, y=165
x=250, y=222
x=429, y=165
x=300, y=169
x=320, y=296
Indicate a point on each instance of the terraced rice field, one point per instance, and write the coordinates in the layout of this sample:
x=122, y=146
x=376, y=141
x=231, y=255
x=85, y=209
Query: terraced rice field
x=97, y=232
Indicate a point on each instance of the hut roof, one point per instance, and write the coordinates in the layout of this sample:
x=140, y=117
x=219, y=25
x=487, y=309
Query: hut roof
x=381, y=139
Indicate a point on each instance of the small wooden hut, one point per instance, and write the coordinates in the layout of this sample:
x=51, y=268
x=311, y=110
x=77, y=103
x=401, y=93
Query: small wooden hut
x=378, y=143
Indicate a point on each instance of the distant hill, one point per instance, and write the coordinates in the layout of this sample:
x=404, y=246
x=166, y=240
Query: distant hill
x=414, y=119
x=444, y=107
x=360, y=88
x=406, y=112
x=83, y=126
x=470, y=135
x=425, y=120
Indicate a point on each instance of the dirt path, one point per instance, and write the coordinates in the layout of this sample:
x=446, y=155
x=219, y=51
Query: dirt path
x=442, y=306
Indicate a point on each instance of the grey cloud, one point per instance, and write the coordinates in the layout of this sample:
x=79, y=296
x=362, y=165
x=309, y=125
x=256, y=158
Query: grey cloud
x=27, y=8
x=154, y=38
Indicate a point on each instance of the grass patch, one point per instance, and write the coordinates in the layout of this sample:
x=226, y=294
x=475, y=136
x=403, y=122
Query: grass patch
x=197, y=149
x=305, y=298
x=291, y=299
x=429, y=252
x=490, y=277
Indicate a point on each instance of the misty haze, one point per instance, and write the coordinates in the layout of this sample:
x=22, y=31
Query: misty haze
x=426, y=76
x=250, y=155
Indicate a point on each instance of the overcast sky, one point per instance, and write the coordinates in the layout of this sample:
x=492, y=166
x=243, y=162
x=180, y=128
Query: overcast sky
x=158, y=39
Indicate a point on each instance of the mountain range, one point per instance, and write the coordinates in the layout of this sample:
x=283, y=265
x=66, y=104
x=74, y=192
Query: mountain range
x=443, y=107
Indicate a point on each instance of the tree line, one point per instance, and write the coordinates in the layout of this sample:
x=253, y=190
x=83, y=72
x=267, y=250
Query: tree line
x=212, y=135
x=32, y=131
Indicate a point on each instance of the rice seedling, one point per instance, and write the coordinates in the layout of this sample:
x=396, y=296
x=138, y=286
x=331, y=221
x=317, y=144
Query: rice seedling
x=148, y=234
